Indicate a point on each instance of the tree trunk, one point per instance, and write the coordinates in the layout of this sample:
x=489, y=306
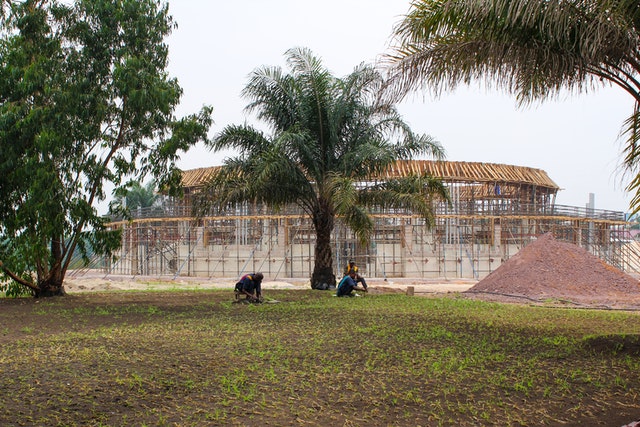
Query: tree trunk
x=50, y=288
x=52, y=285
x=323, y=277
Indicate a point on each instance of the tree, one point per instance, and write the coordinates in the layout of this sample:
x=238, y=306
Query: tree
x=533, y=49
x=329, y=138
x=135, y=196
x=85, y=101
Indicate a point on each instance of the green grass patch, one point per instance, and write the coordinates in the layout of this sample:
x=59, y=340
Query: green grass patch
x=193, y=358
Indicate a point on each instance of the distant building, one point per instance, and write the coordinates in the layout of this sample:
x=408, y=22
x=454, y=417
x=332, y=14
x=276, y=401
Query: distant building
x=496, y=210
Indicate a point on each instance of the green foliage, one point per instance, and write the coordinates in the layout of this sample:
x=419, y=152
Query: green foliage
x=14, y=289
x=85, y=102
x=134, y=196
x=533, y=49
x=328, y=136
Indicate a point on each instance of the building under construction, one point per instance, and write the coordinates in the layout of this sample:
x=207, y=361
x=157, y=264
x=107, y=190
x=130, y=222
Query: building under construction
x=495, y=210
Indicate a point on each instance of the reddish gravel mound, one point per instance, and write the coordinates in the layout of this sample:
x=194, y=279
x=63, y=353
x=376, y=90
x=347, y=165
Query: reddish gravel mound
x=548, y=270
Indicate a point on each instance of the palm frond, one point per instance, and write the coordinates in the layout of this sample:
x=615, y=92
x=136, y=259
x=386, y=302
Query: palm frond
x=303, y=62
x=632, y=156
x=420, y=145
x=415, y=193
x=631, y=131
x=342, y=191
x=242, y=138
x=226, y=186
x=274, y=97
x=281, y=181
x=315, y=86
x=344, y=195
x=530, y=48
x=358, y=219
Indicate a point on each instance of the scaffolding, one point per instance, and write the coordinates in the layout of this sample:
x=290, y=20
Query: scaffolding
x=495, y=211
x=457, y=246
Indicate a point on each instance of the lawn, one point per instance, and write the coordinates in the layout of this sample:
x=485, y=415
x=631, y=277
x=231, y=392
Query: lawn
x=193, y=358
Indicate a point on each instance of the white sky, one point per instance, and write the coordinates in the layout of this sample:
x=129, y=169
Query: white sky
x=219, y=42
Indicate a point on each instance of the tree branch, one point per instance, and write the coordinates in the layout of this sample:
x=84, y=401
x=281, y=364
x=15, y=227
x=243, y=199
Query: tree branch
x=17, y=278
x=94, y=189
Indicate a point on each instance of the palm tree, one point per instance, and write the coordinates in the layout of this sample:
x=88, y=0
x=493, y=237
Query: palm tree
x=328, y=137
x=135, y=196
x=532, y=48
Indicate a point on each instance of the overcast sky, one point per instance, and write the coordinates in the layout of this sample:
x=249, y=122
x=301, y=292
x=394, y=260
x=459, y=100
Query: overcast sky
x=218, y=43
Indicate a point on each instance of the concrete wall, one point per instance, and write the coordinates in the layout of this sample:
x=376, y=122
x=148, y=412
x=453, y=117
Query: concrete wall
x=284, y=247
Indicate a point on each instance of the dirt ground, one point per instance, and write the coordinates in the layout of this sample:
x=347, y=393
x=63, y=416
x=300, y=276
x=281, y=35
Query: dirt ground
x=97, y=373
x=546, y=272
x=97, y=281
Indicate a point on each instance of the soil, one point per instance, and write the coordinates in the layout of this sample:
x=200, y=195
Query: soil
x=545, y=272
x=549, y=271
x=101, y=362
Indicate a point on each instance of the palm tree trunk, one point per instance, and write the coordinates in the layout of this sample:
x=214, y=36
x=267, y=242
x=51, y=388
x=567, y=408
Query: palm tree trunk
x=323, y=277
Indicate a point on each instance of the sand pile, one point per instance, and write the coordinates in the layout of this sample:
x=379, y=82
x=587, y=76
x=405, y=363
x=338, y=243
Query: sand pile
x=548, y=270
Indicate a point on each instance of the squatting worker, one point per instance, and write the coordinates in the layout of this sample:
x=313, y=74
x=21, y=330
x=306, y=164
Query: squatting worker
x=348, y=285
x=250, y=285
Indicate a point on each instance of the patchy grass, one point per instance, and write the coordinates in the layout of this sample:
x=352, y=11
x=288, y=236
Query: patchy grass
x=193, y=358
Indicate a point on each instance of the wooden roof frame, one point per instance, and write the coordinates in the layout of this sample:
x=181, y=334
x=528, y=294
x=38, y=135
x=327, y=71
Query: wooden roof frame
x=448, y=172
